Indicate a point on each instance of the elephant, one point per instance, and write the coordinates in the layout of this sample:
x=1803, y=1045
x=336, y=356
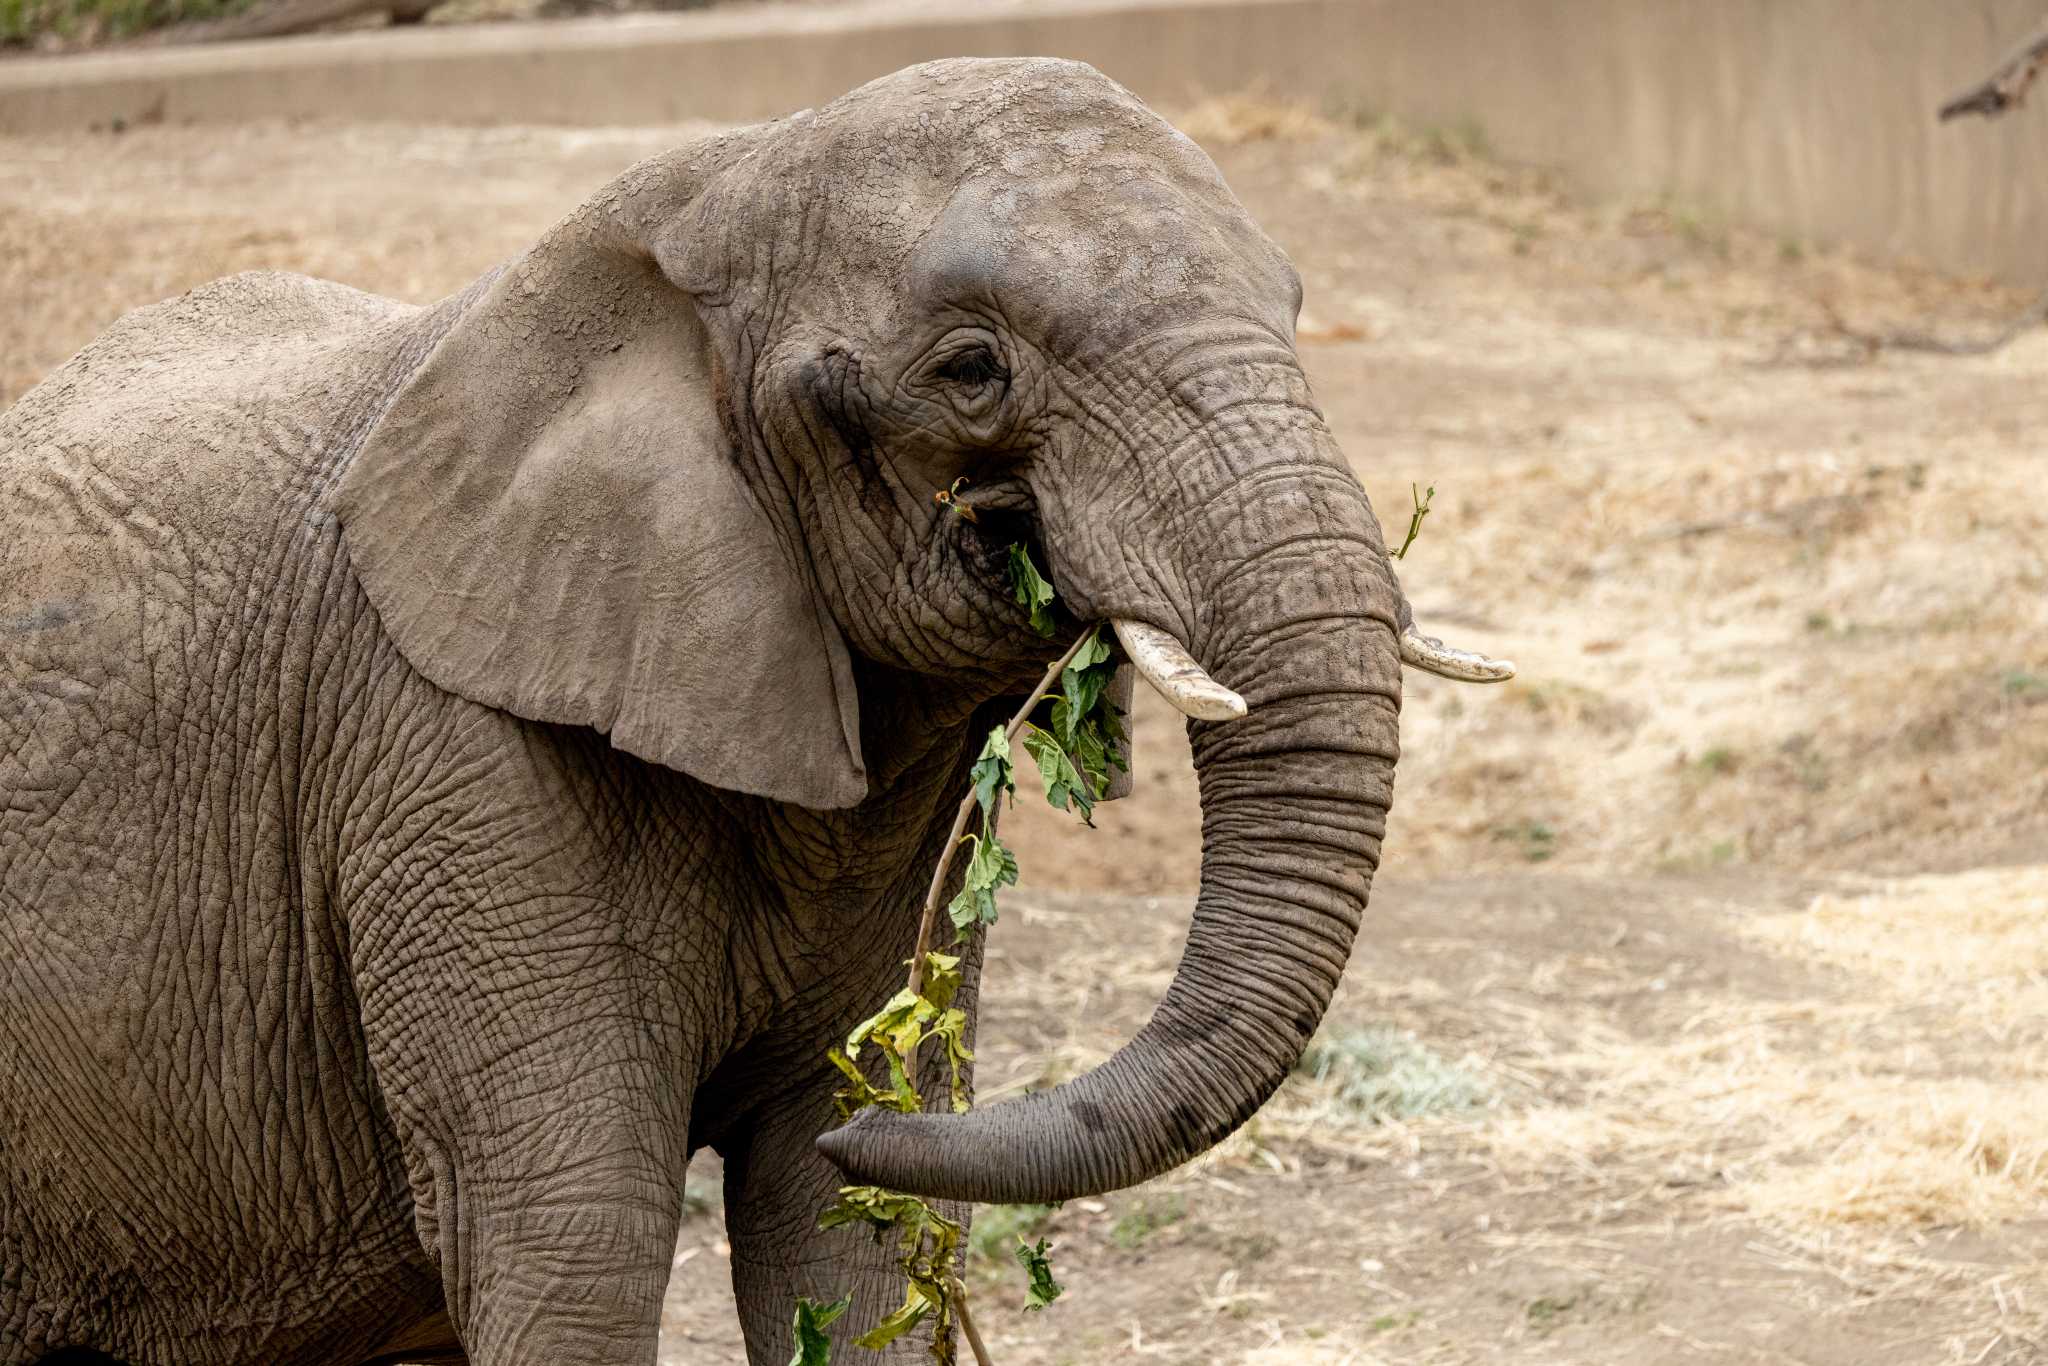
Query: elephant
x=456, y=761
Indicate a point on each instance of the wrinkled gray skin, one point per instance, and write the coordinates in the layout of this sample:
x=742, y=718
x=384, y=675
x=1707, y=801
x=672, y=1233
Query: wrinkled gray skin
x=454, y=762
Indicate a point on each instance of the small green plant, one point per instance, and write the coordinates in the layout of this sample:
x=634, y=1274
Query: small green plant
x=1250, y=1249
x=1455, y=144
x=997, y=1228
x=700, y=1197
x=1538, y=841
x=1694, y=226
x=1148, y=1217
x=2020, y=683
x=1382, y=1074
x=1692, y=859
x=1719, y=762
x=1545, y=1311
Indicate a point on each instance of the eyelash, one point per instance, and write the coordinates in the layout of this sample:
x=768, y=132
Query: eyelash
x=976, y=366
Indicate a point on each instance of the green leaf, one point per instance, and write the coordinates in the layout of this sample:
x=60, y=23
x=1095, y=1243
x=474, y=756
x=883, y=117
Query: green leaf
x=992, y=773
x=992, y=868
x=903, y=1094
x=941, y=978
x=927, y=1245
x=1081, y=685
x=967, y=909
x=1032, y=591
x=915, y=1307
x=888, y=1209
x=1065, y=787
x=885, y=1022
x=1084, y=720
x=1043, y=1289
x=951, y=1030
x=858, y=1093
x=897, y=1030
x=813, y=1343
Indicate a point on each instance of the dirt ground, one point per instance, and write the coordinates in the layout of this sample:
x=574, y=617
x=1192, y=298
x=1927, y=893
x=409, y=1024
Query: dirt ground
x=1702, y=1015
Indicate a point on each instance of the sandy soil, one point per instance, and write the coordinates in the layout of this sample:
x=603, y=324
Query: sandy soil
x=1716, y=1048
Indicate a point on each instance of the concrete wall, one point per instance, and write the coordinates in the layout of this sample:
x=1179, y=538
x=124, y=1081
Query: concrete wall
x=733, y=64
x=1811, y=118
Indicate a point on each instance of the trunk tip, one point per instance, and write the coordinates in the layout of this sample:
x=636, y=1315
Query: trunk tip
x=839, y=1145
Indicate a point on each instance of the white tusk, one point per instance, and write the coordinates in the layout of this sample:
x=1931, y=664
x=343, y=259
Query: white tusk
x=1166, y=664
x=1427, y=652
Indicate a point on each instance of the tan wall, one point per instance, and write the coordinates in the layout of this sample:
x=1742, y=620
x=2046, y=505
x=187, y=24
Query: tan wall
x=1811, y=118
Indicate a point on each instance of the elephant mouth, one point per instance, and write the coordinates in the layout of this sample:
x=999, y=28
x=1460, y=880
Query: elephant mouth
x=993, y=517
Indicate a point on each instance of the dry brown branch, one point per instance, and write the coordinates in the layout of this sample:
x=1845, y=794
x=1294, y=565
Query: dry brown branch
x=2006, y=87
x=967, y=1329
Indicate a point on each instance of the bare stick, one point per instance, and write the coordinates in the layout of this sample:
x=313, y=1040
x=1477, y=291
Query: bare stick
x=2006, y=87
x=974, y=1342
x=967, y=805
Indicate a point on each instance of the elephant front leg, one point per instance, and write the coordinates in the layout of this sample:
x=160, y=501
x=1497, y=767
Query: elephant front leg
x=565, y=1279
x=776, y=1185
x=544, y=1140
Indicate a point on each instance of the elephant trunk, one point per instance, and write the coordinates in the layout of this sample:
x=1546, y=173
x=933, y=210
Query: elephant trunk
x=1304, y=613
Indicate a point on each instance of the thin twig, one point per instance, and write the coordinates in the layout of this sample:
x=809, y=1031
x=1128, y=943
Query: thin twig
x=967, y=805
x=974, y=1342
x=2006, y=87
x=1422, y=502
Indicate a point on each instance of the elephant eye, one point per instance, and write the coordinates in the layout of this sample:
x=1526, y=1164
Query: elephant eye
x=973, y=367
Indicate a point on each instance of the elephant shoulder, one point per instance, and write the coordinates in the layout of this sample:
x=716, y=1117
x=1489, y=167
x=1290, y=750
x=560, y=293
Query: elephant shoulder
x=161, y=476
x=227, y=344
x=218, y=393
x=236, y=311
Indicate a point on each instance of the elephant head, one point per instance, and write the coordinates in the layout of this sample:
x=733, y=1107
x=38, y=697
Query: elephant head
x=671, y=475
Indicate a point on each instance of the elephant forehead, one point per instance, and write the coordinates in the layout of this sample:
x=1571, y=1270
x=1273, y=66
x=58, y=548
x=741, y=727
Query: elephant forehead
x=1119, y=248
x=986, y=100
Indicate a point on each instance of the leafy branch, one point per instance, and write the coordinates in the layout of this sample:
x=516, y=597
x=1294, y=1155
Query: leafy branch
x=1073, y=757
x=1073, y=750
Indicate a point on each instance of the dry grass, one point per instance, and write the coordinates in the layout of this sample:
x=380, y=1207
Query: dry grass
x=1968, y=952
x=1916, y=1099
x=1964, y=932
x=1964, y=1153
x=1249, y=116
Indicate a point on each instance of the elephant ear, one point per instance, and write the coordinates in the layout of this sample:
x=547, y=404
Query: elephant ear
x=550, y=519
